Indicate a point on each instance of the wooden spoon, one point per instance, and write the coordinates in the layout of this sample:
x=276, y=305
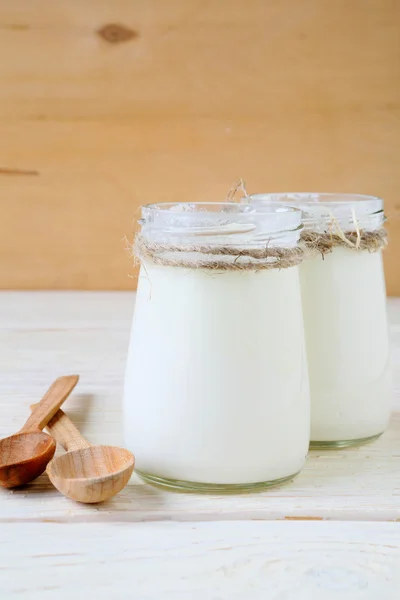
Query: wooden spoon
x=24, y=456
x=86, y=473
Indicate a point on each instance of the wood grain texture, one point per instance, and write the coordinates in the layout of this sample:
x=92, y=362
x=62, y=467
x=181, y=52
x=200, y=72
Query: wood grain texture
x=86, y=473
x=108, y=105
x=324, y=536
x=55, y=396
x=43, y=333
x=202, y=561
x=24, y=455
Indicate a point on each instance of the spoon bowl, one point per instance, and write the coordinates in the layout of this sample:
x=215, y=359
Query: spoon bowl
x=86, y=473
x=92, y=474
x=24, y=456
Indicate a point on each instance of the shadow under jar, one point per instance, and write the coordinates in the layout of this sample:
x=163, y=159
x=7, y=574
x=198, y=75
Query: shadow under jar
x=216, y=391
x=344, y=308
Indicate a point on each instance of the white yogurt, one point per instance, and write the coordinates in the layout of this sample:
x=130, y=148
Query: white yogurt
x=344, y=307
x=216, y=388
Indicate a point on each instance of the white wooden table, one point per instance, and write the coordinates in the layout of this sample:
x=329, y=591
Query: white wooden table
x=333, y=532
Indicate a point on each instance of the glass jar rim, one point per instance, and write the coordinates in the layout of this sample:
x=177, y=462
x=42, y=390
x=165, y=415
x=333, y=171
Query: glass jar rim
x=312, y=198
x=201, y=217
x=223, y=204
x=319, y=208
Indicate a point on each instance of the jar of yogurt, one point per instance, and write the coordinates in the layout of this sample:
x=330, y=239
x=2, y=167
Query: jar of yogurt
x=216, y=392
x=344, y=307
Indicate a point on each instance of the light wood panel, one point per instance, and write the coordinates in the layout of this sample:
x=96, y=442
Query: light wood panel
x=149, y=544
x=173, y=101
x=44, y=334
x=201, y=561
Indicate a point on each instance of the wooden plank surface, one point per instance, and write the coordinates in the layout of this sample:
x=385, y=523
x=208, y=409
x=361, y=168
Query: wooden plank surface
x=202, y=561
x=333, y=533
x=174, y=103
x=43, y=335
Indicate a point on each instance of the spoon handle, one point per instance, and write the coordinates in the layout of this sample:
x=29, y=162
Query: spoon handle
x=62, y=429
x=58, y=392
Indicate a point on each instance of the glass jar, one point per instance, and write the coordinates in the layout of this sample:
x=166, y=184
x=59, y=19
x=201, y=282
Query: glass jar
x=216, y=391
x=344, y=307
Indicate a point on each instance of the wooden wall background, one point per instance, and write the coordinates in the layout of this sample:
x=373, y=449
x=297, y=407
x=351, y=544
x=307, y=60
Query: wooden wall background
x=108, y=105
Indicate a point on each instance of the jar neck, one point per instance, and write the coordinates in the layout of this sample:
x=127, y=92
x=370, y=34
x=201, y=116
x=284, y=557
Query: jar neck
x=330, y=213
x=221, y=225
x=225, y=236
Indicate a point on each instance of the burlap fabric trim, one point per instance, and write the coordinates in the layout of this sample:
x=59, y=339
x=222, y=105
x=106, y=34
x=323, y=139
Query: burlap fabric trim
x=217, y=258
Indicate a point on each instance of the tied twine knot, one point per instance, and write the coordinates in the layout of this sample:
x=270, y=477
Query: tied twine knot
x=216, y=258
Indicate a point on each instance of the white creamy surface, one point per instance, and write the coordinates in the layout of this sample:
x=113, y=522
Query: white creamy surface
x=344, y=306
x=216, y=387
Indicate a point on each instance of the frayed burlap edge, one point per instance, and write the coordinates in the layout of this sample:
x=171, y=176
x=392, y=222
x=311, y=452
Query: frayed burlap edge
x=372, y=241
x=245, y=259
